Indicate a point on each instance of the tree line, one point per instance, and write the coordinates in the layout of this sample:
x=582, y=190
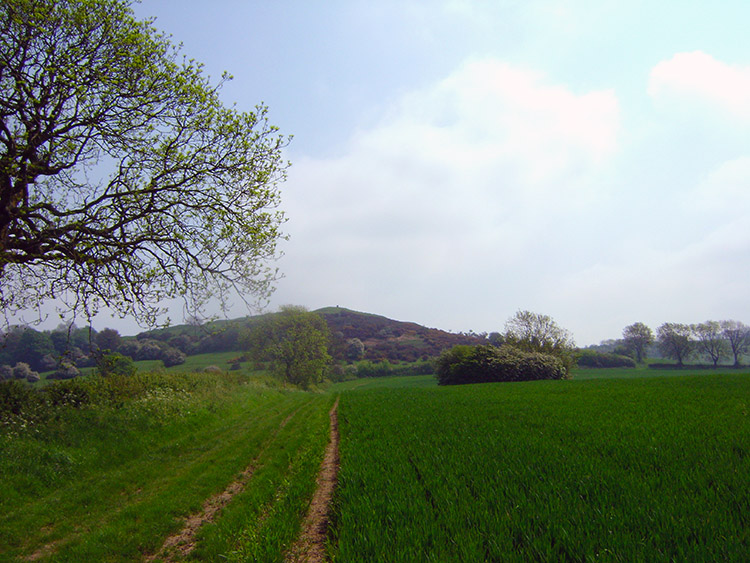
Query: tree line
x=711, y=341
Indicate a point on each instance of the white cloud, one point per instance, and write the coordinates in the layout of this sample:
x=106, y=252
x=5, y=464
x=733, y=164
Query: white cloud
x=699, y=77
x=462, y=189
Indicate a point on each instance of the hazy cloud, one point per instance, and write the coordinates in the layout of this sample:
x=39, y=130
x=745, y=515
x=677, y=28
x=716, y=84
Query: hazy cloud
x=700, y=78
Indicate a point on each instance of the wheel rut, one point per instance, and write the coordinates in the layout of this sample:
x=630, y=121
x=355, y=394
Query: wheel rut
x=180, y=544
x=310, y=544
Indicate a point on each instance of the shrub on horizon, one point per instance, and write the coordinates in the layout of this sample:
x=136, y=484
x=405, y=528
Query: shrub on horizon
x=487, y=363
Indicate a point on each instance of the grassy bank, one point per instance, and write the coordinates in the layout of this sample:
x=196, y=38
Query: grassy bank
x=110, y=468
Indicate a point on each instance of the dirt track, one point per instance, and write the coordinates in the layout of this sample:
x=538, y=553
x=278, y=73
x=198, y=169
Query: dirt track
x=310, y=546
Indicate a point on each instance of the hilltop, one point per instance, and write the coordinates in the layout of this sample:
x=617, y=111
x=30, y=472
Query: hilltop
x=387, y=339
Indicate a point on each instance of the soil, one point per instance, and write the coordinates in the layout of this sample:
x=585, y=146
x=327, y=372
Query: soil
x=310, y=545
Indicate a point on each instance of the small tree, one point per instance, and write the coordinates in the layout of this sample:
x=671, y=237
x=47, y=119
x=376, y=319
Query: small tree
x=738, y=336
x=114, y=364
x=355, y=350
x=637, y=338
x=172, y=357
x=295, y=342
x=22, y=370
x=710, y=341
x=675, y=341
x=108, y=339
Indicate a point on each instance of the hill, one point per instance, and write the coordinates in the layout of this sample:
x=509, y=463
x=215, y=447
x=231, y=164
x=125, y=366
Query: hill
x=387, y=339
x=383, y=338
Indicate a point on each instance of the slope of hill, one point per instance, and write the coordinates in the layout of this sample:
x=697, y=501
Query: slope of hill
x=386, y=339
x=383, y=338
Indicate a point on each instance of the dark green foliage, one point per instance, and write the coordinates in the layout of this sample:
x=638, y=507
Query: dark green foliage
x=115, y=364
x=172, y=357
x=108, y=339
x=15, y=397
x=354, y=350
x=592, y=359
x=71, y=393
x=65, y=371
x=484, y=364
x=294, y=342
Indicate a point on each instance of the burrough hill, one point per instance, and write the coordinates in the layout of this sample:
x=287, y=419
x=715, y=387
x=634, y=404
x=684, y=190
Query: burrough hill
x=383, y=338
x=386, y=339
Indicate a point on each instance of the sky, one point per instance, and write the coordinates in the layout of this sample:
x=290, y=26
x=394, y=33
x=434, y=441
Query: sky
x=454, y=162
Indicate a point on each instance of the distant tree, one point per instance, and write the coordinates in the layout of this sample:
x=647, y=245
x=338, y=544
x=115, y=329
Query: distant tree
x=6, y=372
x=22, y=370
x=108, y=339
x=48, y=362
x=533, y=332
x=65, y=370
x=355, y=350
x=495, y=339
x=295, y=342
x=182, y=342
x=32, y=347
x=60, y=340
x=124, y=179
x=637, y=338
x=709, y=341
x=738, y=337
x=114, y=364
x=172, y=357
x=675, y=341
x=130, y=347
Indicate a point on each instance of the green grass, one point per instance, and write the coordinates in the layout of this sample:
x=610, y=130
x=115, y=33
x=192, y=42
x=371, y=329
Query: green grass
x=112, y=479
x=614, y=470
x=643, y=371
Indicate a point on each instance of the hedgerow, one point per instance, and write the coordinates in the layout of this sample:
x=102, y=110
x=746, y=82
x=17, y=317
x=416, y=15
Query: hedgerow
x=483, y=364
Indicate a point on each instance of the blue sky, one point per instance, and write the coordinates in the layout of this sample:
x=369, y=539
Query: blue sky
x=454, y=162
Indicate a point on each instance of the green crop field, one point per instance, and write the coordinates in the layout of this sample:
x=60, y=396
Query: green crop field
x=644, y=469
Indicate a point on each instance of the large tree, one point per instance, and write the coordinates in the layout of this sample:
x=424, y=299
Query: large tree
x=738, y=336
x=124, y=180
x=295, y=342
x=637, y=338
x=710, y=341
x=675, y=341
x=533, y=332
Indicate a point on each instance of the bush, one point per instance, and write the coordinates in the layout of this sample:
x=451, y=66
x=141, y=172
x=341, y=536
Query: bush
x=172, y=357
x=22, y=370
x=15, y=397
x=65, y=371
x=6, y=372
x=483, y=364
x=67, y=394
x=115, y=364
x=593, y=359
